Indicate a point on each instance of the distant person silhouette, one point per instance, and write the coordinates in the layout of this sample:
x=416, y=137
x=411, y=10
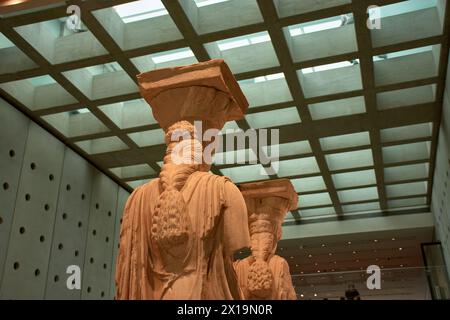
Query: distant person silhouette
x=351, y=293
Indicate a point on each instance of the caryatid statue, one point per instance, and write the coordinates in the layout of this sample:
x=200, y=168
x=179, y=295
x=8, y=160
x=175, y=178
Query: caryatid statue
x=180, y=231
x=265, y=275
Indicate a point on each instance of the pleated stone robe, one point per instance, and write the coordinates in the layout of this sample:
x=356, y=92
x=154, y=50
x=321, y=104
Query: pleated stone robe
x=180, y=231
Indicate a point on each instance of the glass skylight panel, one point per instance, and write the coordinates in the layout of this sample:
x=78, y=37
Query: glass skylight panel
x=409, y=172
x=408, y=21
x=12, y=58
x=129, y=114
x=272, y=90
x=293, y=167
x=38, y=93
x=406, y=152
x=5, y=42
x=405, y=7
x=102, y=81
x=345, y=141
x=403, y=53
x=310, y=184
x=421, y=130
x=209, y=16
x=288, y=149
x=245, y=53
x=148, y=138
x=409, y=202
x=329, y=79
x=59, y=41
x=407, y=65
x=140, y=10
x=203, y=3
x=242, y=156
x=406, y=189
x=322, y=38
x=41, y=81
x=102, y=145
x=247, y=173
x=406, y=97
x=104, y=68
x=355, y=195
x=274, y=118
x=138, y=24
x=354, y=179
x=361, y=207
x=314, y=200
x=337, y=108
x=172, y=58
x=348, y=160
x=75, y=123
x=293, y=7
x=136, y=183
x=317, y=212
x=132, y=171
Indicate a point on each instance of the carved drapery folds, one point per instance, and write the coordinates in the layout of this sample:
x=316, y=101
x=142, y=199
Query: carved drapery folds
x=180, y=231
x=265, y=275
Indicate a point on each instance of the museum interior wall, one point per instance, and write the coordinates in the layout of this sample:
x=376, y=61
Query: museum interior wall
x=441, y=185
x=57, y=211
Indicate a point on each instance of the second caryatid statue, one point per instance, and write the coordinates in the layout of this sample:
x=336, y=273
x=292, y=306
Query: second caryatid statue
x=180, y=231
x=264, y=275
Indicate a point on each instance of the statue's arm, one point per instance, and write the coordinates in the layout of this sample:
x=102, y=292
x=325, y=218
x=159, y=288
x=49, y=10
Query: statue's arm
x=236, y=232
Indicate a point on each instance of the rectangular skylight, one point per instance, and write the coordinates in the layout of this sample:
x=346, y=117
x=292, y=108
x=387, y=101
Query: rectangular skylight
x=319, y=25
x=204, y=3
x=243, y=41
x=273, y=118
x=5, y=42
x=179, y=54
x=330, y=66
x=403, y=53
x=132, y=171
x=104, y=68
x=347, y=160
x=403, y=7
x=41, y=81
x=140, y=10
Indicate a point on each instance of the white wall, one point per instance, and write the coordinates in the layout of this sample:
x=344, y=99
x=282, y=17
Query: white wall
x=441, y=183
x=56, y=210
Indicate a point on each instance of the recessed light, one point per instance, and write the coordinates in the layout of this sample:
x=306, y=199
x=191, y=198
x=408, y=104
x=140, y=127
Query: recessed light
x=332, y=270
x=354, y=252
x=357, y=260
x=330, y=254
x=349, y=242
x=301, y=295
x=375, y=240
x=296, y=265
x=393, y=239
x=323, y=245
x=315, y=294
x=401, y=266
x=310, y=256
x=400, y=249
x=316, y=264
x=335, y=262
x=301, y=272
x=292, y=257
x=318, y=271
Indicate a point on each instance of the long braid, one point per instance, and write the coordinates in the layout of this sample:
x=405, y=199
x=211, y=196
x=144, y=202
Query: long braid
x=170, y=222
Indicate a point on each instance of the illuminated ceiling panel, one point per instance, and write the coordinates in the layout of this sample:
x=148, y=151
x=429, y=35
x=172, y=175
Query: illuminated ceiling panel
x=356, y=109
